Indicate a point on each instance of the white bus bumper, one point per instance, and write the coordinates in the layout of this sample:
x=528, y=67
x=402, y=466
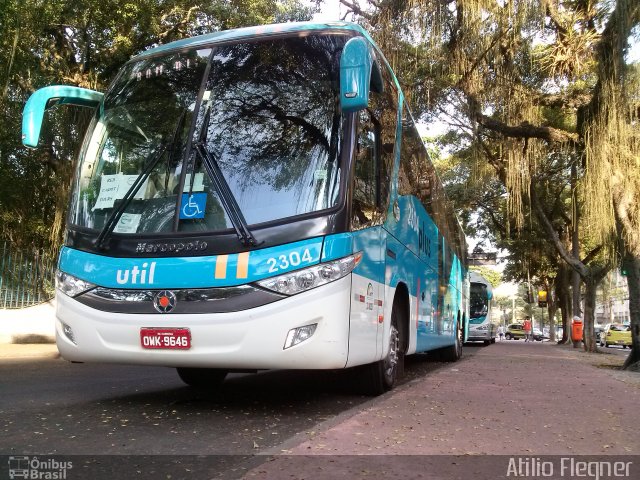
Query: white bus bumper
x=250, y=339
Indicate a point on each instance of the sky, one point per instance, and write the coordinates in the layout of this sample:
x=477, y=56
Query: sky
x=330, y=10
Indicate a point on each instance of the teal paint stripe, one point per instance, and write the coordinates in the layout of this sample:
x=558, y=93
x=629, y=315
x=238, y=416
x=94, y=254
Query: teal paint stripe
x=337, y=246
x=190, y=272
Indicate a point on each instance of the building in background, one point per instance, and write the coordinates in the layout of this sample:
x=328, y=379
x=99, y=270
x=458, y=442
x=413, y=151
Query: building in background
x=612, y=304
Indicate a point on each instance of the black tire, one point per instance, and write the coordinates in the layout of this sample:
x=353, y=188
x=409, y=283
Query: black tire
x=204, y=378
x=508, y=336
x=381, y=376
x=606, y=344
x=493, y=340
x=487, y=342
x=454, y=352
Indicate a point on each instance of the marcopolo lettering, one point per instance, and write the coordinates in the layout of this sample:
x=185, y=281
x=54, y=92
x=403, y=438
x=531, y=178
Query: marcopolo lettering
x=171, y=247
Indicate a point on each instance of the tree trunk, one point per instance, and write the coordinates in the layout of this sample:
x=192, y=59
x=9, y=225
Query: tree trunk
x=564, y=301
x=552, y=309
x=631, y=264
x=591, y=286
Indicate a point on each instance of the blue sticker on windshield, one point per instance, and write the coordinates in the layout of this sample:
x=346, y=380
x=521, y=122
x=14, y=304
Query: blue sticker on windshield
x=192, y=205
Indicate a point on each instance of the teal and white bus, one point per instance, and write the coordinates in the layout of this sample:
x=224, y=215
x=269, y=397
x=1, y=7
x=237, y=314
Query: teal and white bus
x=257, y=198
x=481, y=328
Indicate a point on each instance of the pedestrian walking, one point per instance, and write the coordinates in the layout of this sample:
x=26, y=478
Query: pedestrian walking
x=526, y=326
x=500, y=332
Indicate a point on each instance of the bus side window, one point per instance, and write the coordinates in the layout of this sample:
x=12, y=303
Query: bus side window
x=365, y=189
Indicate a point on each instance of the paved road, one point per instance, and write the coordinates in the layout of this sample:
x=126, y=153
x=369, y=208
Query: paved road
x=50, y=406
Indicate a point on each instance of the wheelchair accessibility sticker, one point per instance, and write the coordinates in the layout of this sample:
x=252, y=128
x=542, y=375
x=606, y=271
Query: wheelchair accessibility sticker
x=192, y=205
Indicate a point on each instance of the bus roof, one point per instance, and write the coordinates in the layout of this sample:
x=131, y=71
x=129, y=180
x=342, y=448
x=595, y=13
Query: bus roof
x=475, y=277
x=248, y=32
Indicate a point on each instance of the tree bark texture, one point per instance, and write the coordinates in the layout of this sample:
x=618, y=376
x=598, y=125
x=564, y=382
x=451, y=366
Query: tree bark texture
x=631, y=264
x=590, y=344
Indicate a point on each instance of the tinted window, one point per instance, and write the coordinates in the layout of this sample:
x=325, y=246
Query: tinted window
x=275, y=126
x=274, y=129
x=367, y=162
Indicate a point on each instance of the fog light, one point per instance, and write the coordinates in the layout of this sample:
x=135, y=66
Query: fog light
x=68, y=332
x=299, y=335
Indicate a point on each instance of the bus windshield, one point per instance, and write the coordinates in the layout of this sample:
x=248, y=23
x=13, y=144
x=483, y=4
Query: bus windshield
x=478, y=303
x=266, y=112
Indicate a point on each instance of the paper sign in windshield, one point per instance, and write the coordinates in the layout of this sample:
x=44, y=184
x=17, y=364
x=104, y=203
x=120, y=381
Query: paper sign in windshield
x=192, y=205
x=198, y=182
x=114, y=187
x=128, y=223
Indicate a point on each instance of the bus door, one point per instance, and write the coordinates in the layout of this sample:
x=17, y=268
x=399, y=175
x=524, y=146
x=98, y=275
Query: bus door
x=369, y=237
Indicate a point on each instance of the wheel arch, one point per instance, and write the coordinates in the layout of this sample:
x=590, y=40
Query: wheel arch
x=401, y=301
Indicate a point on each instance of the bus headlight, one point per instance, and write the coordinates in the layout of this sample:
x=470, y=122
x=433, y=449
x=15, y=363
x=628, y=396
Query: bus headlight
x=70, y=285
x=312, y=277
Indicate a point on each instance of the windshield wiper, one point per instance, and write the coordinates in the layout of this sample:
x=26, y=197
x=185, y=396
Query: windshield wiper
x=152, y=161
x=228, y=200
x=117, y=212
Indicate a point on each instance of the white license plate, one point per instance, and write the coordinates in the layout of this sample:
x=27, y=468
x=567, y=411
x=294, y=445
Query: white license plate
x=165, y=338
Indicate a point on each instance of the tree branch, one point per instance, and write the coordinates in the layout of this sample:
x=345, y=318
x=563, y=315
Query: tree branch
x=610, y=52
x=551, y=11
x=355, y=8
x=526, y=130
x=590, y=256
x=574, y=263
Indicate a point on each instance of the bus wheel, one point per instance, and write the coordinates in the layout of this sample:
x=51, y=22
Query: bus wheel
x=381, y=376
x=454, y=352
x=205, y=378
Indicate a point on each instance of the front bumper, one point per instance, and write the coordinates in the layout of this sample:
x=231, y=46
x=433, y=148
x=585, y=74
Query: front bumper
x=248, y=339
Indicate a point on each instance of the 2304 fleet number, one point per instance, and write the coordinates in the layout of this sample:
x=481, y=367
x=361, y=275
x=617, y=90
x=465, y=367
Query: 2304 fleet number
x=293, y=259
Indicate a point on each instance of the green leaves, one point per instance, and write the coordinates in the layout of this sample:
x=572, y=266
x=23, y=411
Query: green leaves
x=84, y=43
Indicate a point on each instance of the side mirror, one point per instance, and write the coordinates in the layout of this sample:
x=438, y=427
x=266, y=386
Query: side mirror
x=47, y=97
x=358, y=74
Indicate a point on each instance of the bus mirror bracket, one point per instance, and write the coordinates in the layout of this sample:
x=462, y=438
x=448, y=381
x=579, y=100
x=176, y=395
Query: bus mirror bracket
x=47, y=97
x=356, y=65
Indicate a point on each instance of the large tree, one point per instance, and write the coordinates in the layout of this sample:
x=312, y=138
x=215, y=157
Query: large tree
x=534, y=79
x=84, y=43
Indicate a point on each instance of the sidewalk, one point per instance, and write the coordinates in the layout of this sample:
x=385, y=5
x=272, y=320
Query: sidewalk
x=511, y=398
x=28, y=325
x=20, y=351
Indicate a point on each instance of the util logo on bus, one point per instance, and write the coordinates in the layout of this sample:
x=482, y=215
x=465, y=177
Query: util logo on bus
x=138, y=275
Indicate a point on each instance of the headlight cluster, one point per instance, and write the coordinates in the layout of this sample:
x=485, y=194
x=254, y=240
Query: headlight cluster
x=308, y=278
x=70, y=285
